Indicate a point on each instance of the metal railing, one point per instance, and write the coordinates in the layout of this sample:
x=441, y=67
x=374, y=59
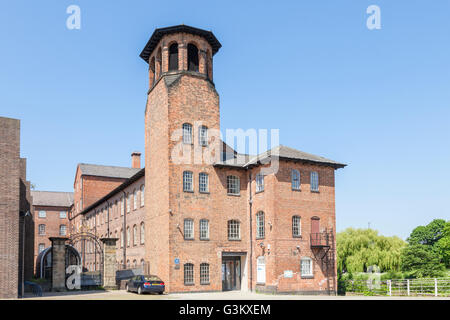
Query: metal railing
x=437, y=287
x=321, y=239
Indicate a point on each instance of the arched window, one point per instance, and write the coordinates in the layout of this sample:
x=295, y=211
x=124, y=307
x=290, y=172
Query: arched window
x=142, y=195
x=152, y=70
x=234, y=230
x=204, y=273
x=158, y=62
x=188, y=184
x=295, y=179
x=142, y=233
x=203, y=136
x=296, y=227
x=187, y=133
x=188, y=274
x=121, y=238
x=128, y=236
x=261, y=270
x=173, y=57
x=128, y=202
x=192, y=57
x=306, y=267
x=135, y=235
x=134, y=199
x=260, y=228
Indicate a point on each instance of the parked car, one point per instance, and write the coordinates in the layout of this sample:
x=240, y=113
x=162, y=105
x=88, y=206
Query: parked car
x=149, y=283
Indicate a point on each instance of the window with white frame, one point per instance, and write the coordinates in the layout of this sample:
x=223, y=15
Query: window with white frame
x=41, y=247
x=188, y=184
x=41, y=229
x=204, y=229
x=295, y=179
x=63, y=214
x=306, y=269
x=260, y=229
x=122, y=236
x=142, y=233
x=142, y=195
x=121, y=206
x=188, y=229
x=134, y=199
x=188, y=274
x=296, y=226
x=203, y=136
x=234, y=230
x=259, y=182
x=261, y=270
x=135, y=235
x=42, y=214
x=203, y=182
x=128, y=202
x=233, y=185
x=187, y=133
x=128, y=236
x=62, y=230
x=204, y=273
x=314, y=181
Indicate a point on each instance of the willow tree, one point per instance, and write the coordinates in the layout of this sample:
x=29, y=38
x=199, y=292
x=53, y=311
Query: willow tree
x=358, y=249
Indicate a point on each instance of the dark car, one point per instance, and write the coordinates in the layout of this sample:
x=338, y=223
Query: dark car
x=141, y=284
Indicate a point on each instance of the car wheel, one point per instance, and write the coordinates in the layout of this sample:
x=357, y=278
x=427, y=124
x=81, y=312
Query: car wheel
x=160, y=292
x=126, y=288
x=139, y=290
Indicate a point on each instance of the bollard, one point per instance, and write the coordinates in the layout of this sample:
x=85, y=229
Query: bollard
x=407, y=286
x=435, y=288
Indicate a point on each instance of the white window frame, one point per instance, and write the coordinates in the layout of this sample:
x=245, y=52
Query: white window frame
x=142, y=233
x=203, y=182
x=142, y=195
x=234, y=229
x=259, y=182
x=188, y=273
x=188, y=181
x=128, y=202
x=135, y=235
x=260, y=225
x=61, y=228
x=204, y=229
x=134, y=199
x=314, y=181
x=296, y=227
x=42, y=214
x=204, y=273
x=303, y=272
x=41, y=247
x=187, y=133
x=203, y=136
x=261, y=270
x=188, y=229
x=233, y=185
x=295, y=179
x=41, y=229
x=63, y=214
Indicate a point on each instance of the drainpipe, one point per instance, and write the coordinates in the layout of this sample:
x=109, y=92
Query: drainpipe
x=250, y=203
x=107, y=214
x=124, y=235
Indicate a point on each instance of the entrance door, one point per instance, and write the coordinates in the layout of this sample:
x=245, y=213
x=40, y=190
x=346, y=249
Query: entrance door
x=315, y=227
x=231, y=273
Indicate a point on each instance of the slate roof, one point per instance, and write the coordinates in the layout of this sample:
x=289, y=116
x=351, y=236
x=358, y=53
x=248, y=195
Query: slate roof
x=283, y=152
x=52, y=199
x=159, y=33
x=107, y=171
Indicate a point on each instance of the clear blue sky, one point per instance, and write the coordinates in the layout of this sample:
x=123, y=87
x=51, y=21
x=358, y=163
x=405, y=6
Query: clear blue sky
x=378, y=100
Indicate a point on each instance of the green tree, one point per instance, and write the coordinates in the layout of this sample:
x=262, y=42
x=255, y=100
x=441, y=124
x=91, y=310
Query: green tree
x=443, y=245
x=429, y=234
x=420, y=261
x=357, y=249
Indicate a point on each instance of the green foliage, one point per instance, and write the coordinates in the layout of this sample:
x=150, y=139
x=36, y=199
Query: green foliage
x=421, y=261
x=443, y=245
x=429, y=234
x=357, y=249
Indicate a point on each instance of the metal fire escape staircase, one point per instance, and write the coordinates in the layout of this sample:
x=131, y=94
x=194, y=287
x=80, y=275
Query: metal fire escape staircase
x=322, y=245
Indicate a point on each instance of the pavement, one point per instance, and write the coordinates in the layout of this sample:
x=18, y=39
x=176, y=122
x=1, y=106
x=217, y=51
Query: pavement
x=229, y=295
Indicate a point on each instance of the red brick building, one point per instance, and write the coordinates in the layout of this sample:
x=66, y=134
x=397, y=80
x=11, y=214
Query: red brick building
x=233, y=222
x=16, y=216
x=51, y=217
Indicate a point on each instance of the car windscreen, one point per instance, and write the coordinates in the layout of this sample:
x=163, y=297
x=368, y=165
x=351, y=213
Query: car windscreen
x=152, y=278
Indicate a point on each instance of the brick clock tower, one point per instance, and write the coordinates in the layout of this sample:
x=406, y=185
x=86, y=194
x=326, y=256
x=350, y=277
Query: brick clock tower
x=181, y=99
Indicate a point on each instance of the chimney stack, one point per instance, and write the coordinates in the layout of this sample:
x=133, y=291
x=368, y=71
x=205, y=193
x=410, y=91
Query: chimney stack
x=136, y=160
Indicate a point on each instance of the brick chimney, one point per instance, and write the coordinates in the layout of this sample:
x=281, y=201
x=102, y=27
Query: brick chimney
x=136, y=159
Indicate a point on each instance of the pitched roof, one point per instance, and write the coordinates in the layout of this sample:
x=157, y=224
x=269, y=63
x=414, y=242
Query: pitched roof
x=159, y=33
x=107, y=171
x=52, y=199
x=283, y=152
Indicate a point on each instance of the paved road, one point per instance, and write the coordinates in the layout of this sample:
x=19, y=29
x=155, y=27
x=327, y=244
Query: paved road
x=233, y=295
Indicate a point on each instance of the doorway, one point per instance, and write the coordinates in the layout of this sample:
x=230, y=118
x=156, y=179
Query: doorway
x=231, y=273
